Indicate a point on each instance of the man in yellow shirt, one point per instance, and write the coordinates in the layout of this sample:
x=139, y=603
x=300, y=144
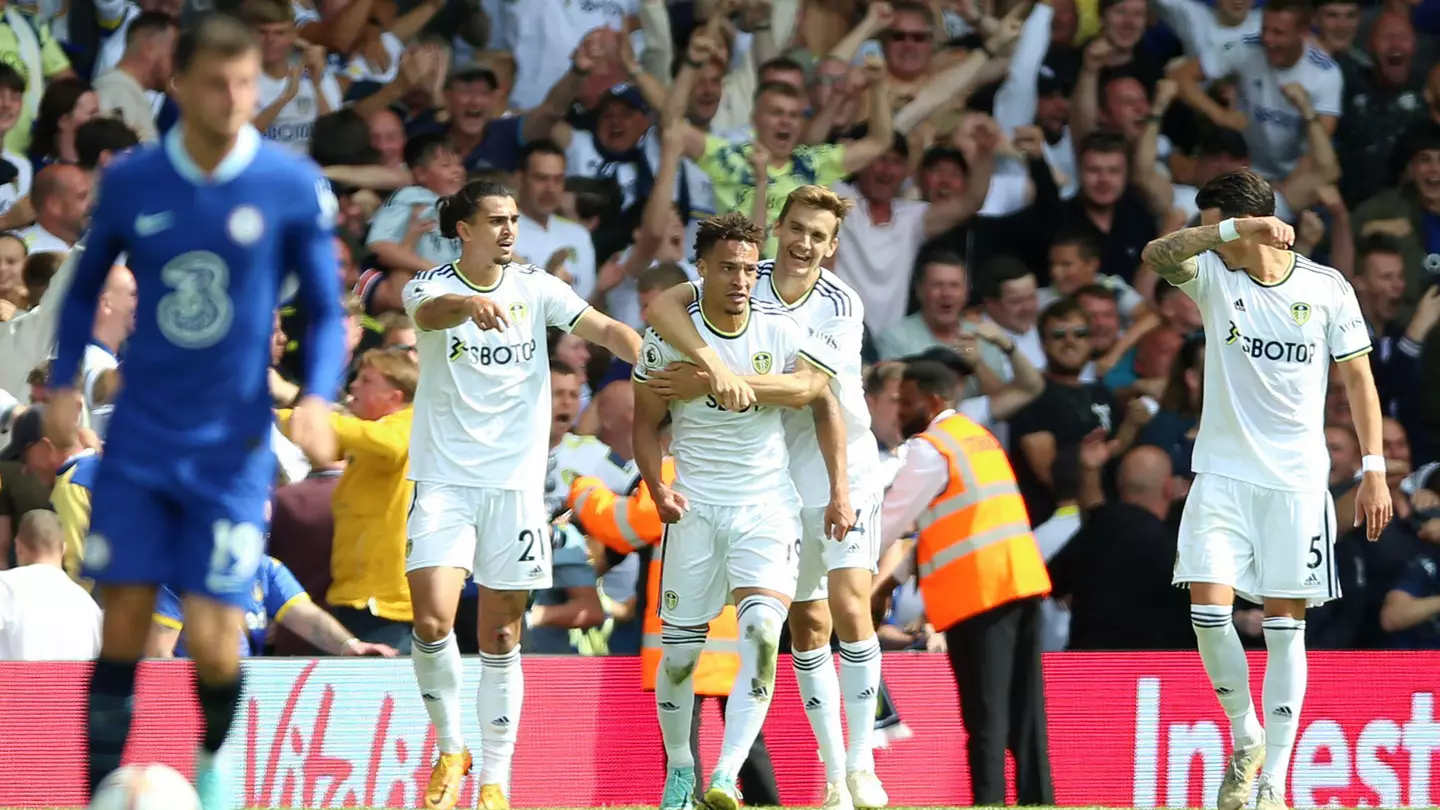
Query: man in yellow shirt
x=369, y=593
x=27, y=46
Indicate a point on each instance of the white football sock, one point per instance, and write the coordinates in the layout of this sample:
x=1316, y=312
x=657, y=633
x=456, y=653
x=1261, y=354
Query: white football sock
x=438, y=670
x=1224, y=659
x=498, y=701
x=1283, y=693
x=820, y=692
x=860, y=683
x=760, y=619
x=675, y=690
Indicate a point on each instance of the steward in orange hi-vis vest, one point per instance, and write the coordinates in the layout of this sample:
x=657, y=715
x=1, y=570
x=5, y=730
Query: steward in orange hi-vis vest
x=976, y=551
x=982, y=577
x=626, y=524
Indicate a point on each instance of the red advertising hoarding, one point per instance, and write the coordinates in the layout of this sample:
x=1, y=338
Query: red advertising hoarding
x=1140, y=730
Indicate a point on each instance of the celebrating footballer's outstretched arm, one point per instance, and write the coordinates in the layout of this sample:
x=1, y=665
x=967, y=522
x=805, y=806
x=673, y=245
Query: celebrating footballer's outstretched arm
x=477, y=455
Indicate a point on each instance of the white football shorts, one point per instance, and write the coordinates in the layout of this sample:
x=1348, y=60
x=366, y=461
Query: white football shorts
x=713, y=550
x=819, y=555
x=502, y=536
x=1261, y=542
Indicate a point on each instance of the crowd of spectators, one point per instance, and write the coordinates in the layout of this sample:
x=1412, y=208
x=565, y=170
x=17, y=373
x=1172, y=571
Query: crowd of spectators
x=1008, y=160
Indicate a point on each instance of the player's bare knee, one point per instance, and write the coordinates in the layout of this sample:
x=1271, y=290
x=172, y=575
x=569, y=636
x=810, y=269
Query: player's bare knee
x=850, y=604
x=809, y=625
x=1286, y=608
x=431, y=629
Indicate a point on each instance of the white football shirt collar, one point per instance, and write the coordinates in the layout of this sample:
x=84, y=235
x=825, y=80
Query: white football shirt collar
x=247, y=146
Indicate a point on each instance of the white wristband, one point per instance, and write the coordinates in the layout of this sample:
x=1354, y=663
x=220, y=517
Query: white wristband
x=1228, y=232
x=1375, y=464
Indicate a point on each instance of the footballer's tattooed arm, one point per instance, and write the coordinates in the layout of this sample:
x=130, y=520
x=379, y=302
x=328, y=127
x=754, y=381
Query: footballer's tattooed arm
x=1173, y=255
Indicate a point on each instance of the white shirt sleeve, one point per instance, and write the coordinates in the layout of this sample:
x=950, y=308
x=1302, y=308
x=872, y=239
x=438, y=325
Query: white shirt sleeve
x=835, y=340
x=417, y=291
x=1328, y=92
x=1346, y=334
x=1016, y=100
x=563, y=307
x=915, y=486
x=331, y=90
x=1198, y=288
x=655, y=354
x=1224, y=61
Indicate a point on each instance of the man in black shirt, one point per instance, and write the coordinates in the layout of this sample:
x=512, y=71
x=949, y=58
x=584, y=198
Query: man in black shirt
x=1066, y=411
x=1116, y=571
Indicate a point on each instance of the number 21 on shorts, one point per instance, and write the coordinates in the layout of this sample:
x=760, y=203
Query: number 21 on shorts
x=534, y=544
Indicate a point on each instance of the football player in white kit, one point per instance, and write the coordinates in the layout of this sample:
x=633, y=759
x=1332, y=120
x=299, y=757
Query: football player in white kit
x=734, y=512
x=1259, y=520
x=477, y=456
x=835, y=577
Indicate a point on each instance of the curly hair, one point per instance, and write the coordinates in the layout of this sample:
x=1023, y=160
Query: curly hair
x=731, y=227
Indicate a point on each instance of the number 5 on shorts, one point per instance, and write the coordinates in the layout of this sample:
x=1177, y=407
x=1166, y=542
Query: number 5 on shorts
x=1317, y=552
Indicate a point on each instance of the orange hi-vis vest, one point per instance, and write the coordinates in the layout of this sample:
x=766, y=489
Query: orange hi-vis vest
x=627, y=524
x=976, y=551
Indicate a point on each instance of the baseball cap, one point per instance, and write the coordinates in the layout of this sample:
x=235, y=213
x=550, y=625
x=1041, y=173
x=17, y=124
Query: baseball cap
x=628, y=93
x=26, y=430
x=1047, y=83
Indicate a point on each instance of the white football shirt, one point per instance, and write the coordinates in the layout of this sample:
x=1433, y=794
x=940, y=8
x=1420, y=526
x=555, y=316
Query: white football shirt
x=577, y=455
x=482, y=408
x=729, y=458
x=1267, y=363
x=1276, y=132
x=292, y=128
x=834, y=316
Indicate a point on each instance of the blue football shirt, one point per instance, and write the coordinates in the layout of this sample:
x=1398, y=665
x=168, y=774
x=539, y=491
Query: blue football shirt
x=210, y=254
x=276, y=591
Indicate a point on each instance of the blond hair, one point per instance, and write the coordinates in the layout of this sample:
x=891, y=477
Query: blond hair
x=821, y=199
x=396, y=366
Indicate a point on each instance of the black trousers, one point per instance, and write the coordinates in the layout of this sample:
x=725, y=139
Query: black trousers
x=996, y=659
x=757, y=774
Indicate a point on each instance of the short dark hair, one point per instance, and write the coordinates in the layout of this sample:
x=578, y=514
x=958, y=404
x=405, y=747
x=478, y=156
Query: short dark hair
x=558, y=366
x=936, y=155
x=1083, y=239
x=100, y=135
x=148, y=23
x=947, y=257
x=1058, y=311
x=1105, y=143
x=1238, y=194
x=421, y=148
x=999, y=271
x=463, y=204
x=933, y=379
x=10, y=79
x=1376, y=244
x=1096, y=290
x=539, y=146
x=1302, y=9
x=218, y=35
x=784, y=64
x=778, y=88
x=731, y=227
